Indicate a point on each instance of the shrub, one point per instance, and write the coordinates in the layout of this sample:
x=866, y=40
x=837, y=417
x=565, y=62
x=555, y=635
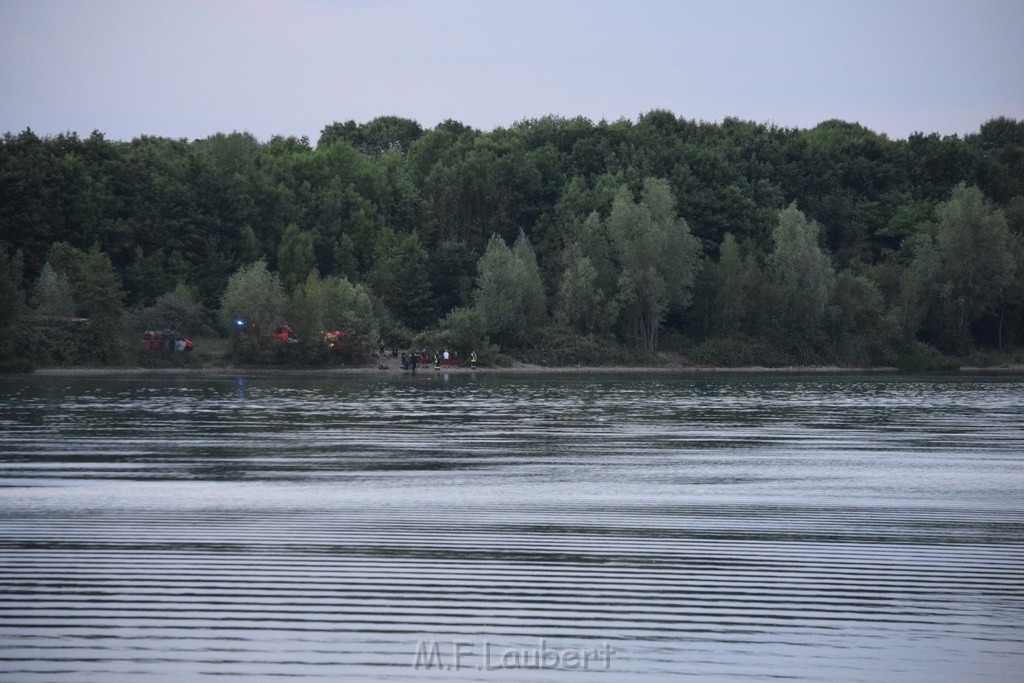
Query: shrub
x=16, y=366
x=925, y=357
x=560, y=346
x=732, y=352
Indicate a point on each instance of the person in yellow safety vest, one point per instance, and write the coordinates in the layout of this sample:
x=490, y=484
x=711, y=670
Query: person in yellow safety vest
x=472, y=360
x=437, y=361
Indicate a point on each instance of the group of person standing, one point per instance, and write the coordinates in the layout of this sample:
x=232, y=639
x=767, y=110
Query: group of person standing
x=440, y=358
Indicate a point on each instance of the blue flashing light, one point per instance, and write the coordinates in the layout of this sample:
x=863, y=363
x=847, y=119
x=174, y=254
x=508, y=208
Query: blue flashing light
x=240, y=322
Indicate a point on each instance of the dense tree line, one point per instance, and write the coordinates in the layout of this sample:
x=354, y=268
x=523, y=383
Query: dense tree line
x=557, y=239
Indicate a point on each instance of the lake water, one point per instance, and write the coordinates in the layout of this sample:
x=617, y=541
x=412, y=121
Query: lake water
x=613, y=527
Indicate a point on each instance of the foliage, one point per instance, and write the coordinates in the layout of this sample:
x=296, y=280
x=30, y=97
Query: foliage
x=51, y=295
x=328, y=305
x=586, y=298
x=94, y=284
x=401, y=278
x=177, y=310
x=465, y=330
x=510, y=293
x=12, y=304
x=857, y=321
x=12, y=299
x=95, y=288
x=977, y=260
x=561, y=346
x=924, y=357
x=255, y=297
x=295, y=258
x=611, y=222
x=727, y=281
x=802, y=271
x=657, y=256
x=736, y=352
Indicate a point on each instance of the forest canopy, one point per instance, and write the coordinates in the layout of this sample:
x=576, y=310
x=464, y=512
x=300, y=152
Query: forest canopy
x=555, y=238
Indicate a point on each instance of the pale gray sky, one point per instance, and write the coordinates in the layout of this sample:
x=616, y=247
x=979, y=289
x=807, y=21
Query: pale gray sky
x=190, y=68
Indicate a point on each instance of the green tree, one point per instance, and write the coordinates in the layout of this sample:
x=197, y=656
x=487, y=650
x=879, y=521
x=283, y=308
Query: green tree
x=977, y=255
x=593, y=242
x=333, y=304
x=401, y=278
x=730, y=301
x=452, y=274
x=374, y=138
x=12, y=299
x=96, y=290
x=464, y=330
x=586, y=298
x=177, y=310
x=147, y=276
x=919, y=297
x=531, y=284
x=95, y=284
x=510, y=293
x=857, y=310
x=249, y=247
x=51, y=295
x=580, y=302
x=658, y=256
x=802, y=271
x=295, y=258
x=255, y=296
x=12, y=303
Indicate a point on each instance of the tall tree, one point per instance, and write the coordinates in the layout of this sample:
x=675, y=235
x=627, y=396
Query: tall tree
x=803, y=272
x=401, y=278
x=531, y=284
x=586, y=298
x=727, y=280
x=95, y=284
x=510, y=291
x=977, y=253
x=658, y=256
x=96, y=290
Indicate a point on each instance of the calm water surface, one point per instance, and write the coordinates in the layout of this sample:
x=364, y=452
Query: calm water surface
x=625, y=527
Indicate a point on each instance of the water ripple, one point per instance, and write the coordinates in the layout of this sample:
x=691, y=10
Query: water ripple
x=839, y=528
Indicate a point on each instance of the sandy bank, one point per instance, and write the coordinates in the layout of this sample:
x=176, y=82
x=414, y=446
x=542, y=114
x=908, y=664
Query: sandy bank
x=393, y=368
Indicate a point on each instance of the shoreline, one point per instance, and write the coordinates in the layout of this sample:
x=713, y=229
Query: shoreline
x=515, y=369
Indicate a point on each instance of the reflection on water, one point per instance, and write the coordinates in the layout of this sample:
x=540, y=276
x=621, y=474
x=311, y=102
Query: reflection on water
x=811, y=527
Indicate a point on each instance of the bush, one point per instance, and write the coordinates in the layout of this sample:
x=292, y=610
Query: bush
x=252, y=349
x=15, y=366
x=176, y=310
x=925, y=357
x=560, y=346
x=463, y=329
x=989, y=358
x=48, y=346
x=731, y=352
